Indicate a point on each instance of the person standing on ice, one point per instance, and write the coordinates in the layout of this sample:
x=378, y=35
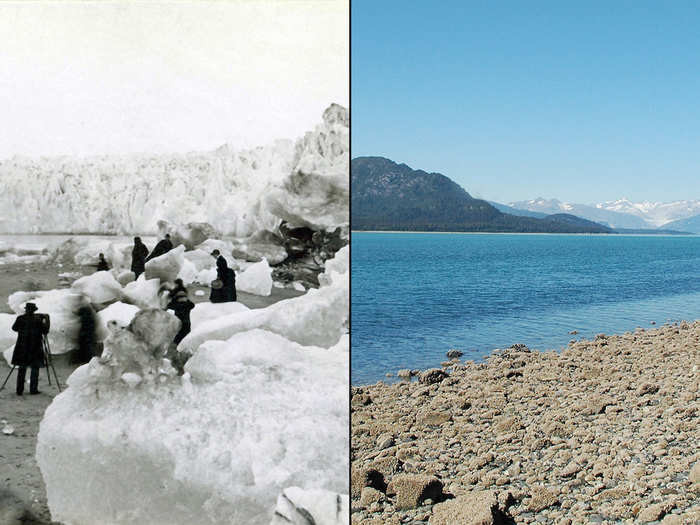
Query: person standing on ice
x=102, y=265
x=87, y=338
x=163, y=247
x=182, y=307
x=29, y=349
x=223, y=290
x=138, y=257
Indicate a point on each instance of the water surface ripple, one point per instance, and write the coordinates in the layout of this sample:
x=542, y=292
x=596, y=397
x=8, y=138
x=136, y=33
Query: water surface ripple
x=416, y=295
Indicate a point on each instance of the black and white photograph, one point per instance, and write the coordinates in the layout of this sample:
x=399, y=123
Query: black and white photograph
x=174, y=262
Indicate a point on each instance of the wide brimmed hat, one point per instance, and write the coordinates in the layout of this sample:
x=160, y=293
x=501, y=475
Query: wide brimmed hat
x=216, y=253
x=30, y=307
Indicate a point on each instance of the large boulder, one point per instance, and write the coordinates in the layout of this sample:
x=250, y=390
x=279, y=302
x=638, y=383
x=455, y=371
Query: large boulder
x=476, y=508
x=411, y=490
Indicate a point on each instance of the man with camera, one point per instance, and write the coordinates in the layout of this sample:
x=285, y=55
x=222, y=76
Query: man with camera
x=29, y=349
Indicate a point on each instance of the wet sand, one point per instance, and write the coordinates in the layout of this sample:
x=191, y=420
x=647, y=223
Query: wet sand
x=22, y=490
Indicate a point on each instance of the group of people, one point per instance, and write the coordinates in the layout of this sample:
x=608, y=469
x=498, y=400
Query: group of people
x=140, y=255
x=32, y=327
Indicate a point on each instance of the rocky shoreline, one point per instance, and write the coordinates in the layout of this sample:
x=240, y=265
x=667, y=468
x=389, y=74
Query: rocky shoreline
x=607, y=431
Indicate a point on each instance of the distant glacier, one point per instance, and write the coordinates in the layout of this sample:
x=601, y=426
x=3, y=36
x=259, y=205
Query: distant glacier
x=239, y=192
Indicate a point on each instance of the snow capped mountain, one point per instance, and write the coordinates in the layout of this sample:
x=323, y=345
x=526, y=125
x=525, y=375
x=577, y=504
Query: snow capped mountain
x=621, y=213
x=610, y=218
x=238, y=192
x=655, y=213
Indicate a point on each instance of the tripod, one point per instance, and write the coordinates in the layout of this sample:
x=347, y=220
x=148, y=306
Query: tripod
x=49, y=364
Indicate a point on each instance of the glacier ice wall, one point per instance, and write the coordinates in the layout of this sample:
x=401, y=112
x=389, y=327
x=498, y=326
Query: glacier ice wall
x=237, y=192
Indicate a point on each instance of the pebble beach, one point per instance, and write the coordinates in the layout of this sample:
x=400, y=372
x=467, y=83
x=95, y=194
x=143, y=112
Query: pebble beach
x=605, y=431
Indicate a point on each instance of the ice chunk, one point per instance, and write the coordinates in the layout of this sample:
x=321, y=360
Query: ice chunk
x=7, y=336
x=166, y=267
x=7, y=354
x=89, y=254
x=99, y=287
x=225, y=247
x=203, y=312
x=201, y=259
x=190, y=234
x=120, y=312
x=205, y=277
x=61, y=305
x=143, y=293
x=315, y=193
x=188, y=272
x=318, y=317
x=296, y=506
x=125, y=277
x=216, y=447
x=256, y=279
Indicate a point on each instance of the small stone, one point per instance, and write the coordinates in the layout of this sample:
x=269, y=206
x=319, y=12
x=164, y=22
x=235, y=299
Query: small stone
x=385, y=441
x=654, y=512
x=541, y=498
x=694, y=475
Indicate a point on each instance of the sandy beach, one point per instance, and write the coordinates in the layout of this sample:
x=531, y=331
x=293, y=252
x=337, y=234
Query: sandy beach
x=22, y=491
x=606, y=431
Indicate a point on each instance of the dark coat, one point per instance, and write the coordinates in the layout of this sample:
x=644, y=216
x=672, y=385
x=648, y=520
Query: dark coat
x=29, y=349
x=182, y=310
x=87, y=338
x=102, y=266
x=138, y=258
x=161, y=248
x=227, y=276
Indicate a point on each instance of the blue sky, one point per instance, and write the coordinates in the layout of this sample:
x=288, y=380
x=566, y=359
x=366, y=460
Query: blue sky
x=582, y=101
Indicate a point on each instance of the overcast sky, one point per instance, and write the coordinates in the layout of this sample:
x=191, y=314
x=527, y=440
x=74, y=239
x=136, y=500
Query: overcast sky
x=85, y=78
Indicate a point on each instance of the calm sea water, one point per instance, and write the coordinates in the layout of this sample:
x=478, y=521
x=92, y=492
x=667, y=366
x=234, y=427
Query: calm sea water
x=415, y=296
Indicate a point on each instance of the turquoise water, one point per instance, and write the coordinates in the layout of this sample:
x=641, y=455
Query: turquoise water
x=415, y=296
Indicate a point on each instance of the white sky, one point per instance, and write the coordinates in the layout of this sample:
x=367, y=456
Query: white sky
x=85, y=78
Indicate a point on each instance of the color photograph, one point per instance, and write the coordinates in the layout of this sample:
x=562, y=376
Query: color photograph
x=525, y=289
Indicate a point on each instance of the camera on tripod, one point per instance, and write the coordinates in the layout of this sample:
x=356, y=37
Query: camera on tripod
x=45, y=320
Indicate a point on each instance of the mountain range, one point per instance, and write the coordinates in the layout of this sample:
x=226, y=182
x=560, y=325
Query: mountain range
x=391, y=196
x=623, y=214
